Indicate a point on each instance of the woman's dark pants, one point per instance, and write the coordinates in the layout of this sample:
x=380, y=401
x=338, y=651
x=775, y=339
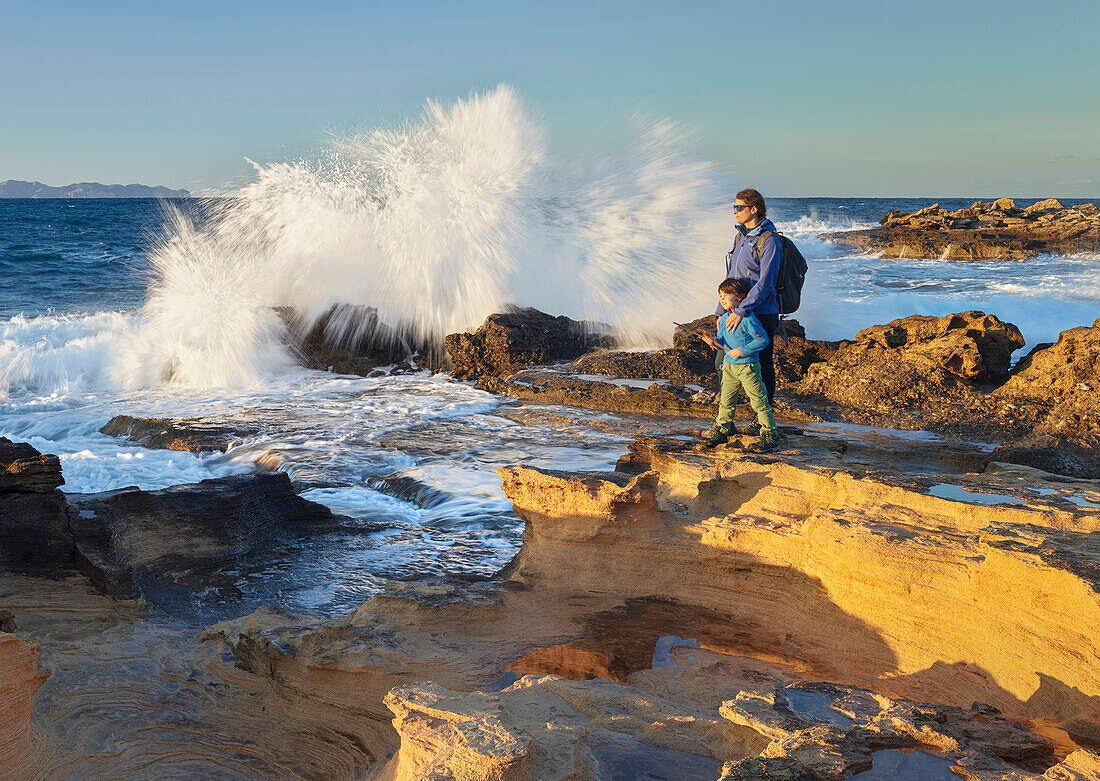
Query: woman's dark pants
x=767, y=356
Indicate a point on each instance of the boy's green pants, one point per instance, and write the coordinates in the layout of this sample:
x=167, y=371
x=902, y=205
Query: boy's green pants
x=734, y=376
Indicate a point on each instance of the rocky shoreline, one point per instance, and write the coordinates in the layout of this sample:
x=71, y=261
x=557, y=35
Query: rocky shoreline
x=859, y=599
x=994, y=230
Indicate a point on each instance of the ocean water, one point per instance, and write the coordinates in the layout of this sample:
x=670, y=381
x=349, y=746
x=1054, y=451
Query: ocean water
x=156, y=308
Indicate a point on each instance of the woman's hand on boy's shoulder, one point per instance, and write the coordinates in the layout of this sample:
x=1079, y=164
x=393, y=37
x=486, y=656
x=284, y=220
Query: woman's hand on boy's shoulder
x=732, y=322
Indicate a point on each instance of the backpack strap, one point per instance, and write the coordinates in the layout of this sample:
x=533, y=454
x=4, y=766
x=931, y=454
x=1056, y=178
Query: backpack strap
x=762, y=237
x=729, y=255
x=756, y=248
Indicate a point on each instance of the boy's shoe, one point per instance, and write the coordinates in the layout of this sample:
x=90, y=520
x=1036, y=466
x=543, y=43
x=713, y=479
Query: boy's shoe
x=769, y=441
x=752, y=429
x=716, y=436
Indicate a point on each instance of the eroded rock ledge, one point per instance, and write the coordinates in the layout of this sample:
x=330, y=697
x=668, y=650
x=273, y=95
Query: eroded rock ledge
x=996, y=230
x=951, y=375
x=706, y=593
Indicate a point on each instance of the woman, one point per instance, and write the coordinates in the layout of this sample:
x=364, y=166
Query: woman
x=758, y=262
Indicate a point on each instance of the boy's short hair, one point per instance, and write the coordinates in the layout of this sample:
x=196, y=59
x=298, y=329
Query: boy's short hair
x=738, y=288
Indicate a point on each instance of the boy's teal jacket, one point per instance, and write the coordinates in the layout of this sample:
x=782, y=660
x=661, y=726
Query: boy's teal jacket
x=749, y=336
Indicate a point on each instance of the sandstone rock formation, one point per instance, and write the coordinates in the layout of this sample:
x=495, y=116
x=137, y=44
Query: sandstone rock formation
x=519, y=338
x=1065, y=375
x=805, y=614
x=898, y=585
x=1046, y=411
x=702, y=600
x=795, y=354
x=972, y=345
x=20, y=678
x=944, y=374
x=984, y=231
x=680, y=381
x=1064, y=380
x=916, y=366
x=548, y=728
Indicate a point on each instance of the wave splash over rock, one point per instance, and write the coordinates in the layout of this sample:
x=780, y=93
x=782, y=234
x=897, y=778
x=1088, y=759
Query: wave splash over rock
x=436, y=224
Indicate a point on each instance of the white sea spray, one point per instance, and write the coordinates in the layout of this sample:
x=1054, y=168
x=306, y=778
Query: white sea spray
x=436, y=224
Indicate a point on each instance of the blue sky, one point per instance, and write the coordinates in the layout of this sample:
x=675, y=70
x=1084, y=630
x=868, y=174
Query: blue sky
x=795, y=98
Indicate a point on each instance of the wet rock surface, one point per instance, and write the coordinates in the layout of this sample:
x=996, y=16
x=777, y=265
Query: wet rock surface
x=157, y=543
x=996, y=230
x=354, y=340
x=655, y=397
x=24, y=469
x=194, y=435
x=153, y=543
x=519, y=338
x=810, y=613
x=810, y=609
x=703, y=614
x=949, y=375
x=679, y=367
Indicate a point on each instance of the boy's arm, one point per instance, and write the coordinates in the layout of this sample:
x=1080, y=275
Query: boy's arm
x=759, y=336
x=716, y=340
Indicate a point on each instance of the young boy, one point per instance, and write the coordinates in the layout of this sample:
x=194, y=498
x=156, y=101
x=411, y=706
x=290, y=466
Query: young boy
x=741, y=368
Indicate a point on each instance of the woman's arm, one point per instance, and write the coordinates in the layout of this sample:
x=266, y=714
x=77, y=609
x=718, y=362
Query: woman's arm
x=771, y=254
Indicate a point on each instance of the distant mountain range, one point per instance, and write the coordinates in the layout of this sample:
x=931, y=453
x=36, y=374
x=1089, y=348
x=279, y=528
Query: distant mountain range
x=13, y=188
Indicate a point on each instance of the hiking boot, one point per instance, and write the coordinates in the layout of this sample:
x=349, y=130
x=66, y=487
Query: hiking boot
x=769, y=441
x=751, y=429
x=716, y=436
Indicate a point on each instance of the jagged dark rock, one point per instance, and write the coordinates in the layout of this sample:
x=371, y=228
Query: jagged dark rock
x=658, y=398
x=125, y=537
x=682, y=367
x=795, y=354
x=353, y=340
x=971, y=345
x=22, y=468
x=178, y=534
x=915, y=364
x=187, y=434
x=997, y=230
x=522, y=337
x=34, y=524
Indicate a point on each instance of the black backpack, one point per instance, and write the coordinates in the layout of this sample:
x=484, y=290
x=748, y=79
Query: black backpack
x=792, y=271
